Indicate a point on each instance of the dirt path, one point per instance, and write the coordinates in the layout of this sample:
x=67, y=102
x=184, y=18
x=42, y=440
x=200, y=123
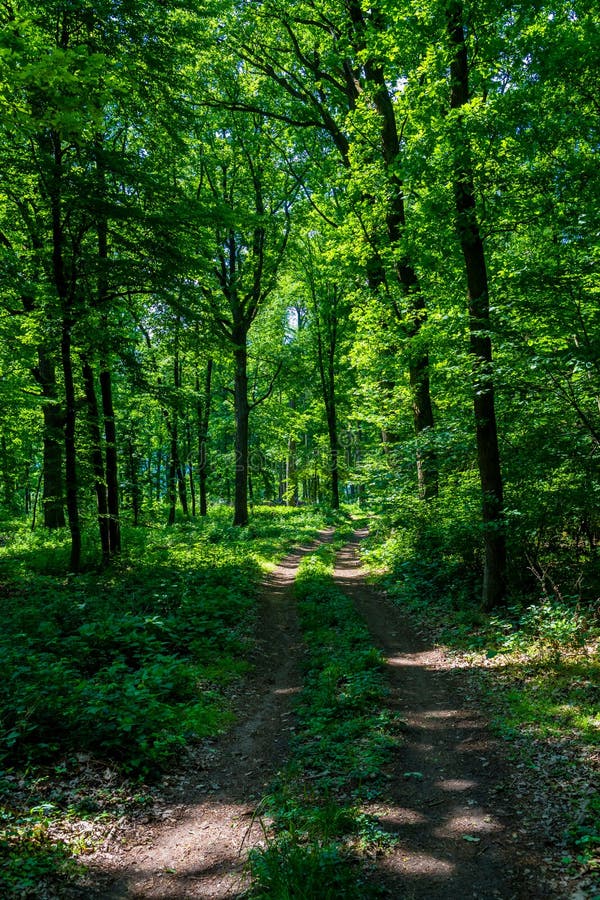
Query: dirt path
x=446, y=801
x=196, y=840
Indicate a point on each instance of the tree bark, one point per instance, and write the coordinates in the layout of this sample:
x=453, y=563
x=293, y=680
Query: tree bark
x=70, y=448
x=136, y=493
x=158, y=476
x=112, y=467
x=181, y=484
x=108, y=412
x=203, y=418
x=333, y=455
x=97, y=460
x=64, y=293
x=326, y=354
x=467, y=225
x=190, y=465
x=53, y=415
x=242, y=416
x=171, y=489
x=291, y=474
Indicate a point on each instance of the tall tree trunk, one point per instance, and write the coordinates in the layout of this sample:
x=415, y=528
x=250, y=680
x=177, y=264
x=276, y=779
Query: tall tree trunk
x=110, y=428
x=182, y=487
x=488, y=454
x=326, y=353
x=171, y=483
x=136, y=493
x=70, y=448
x=175, y=476
x=203, y=417
x=181, y=484
x=190, y=465
x=291, y=474
x=172, y=477
x=36, y=497
x=64, y=292
x=418, y=363
x=242, y=415
x=53, y=489
x=27, y=489
x=158, y=474
x=93, y=417
x=112, y=467
x=333, y=456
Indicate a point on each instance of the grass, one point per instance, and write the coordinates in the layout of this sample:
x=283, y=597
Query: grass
x=118, y=671
x=318, y=834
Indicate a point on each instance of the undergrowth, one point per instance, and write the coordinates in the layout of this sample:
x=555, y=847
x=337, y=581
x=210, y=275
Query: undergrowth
x=342, y=740
x=537, y=660
x=124, y=668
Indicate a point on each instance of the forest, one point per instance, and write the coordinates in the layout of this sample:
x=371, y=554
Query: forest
x=277, y=272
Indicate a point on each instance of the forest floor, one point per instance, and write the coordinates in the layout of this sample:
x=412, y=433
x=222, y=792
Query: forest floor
x=459, y=809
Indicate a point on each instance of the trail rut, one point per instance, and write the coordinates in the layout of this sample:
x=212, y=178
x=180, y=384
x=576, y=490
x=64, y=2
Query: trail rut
x=445, y=798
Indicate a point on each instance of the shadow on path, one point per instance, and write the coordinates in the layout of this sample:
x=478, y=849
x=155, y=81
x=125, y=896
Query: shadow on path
x=445, y=800
x=199, y=848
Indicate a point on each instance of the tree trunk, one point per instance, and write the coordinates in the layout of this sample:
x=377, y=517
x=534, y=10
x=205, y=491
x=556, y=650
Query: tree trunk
x=65, y=295
x=112, y=469
x=171, y=485
x=203, y=413
x=110, y=430
x=181, y=484
x=242, y=416
x=70, y=449
x=136, y=494
x=190, y=465
x=326, y=352
x=158, y=474
x=488, y=454
x=333, y=455
x=291, y=474
x=36, y=497
x=97, y=460
x=418, y=364
x=53, y=489
x=27, y=489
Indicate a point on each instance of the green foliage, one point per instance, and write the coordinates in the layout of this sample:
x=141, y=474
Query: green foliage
x=120, y=671
x=584, y=835
x=29, y=856
x=127, y=664
x=343, y=735
x=309, y=871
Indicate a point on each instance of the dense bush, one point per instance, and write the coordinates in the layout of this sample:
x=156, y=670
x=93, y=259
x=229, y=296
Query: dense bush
x=126, y=663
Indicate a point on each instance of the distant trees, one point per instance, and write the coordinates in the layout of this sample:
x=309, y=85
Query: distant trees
x=243, y=175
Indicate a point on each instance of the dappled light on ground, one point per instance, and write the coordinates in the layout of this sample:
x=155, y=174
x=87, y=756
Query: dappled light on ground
x=198, y=846
x=441, y=804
